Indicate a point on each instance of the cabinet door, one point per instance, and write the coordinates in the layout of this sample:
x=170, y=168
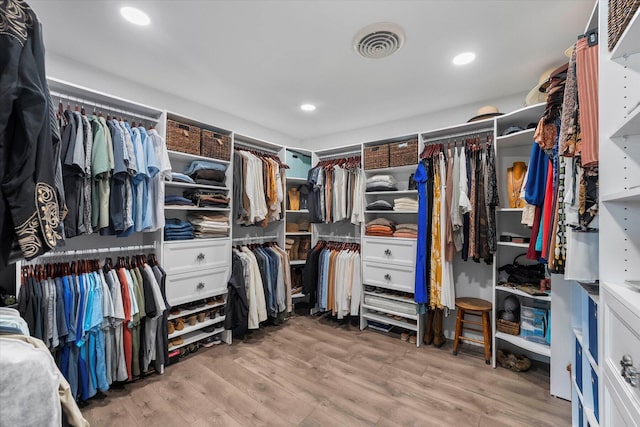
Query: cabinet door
x=578, y=365
x=392, y=251
x=187, y=287
x=184, y=257
x=594, y=390
x=593, y=329
x=389, y=276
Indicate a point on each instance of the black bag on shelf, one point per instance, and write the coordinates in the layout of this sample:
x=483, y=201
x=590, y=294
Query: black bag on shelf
x=520, y=274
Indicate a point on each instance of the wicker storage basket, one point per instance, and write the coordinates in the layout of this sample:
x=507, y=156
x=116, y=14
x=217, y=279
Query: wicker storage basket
x=403, y=153
x=376, y=157
x=215, y=145
x=183, y=138
x=620, y=14
x=511, y=328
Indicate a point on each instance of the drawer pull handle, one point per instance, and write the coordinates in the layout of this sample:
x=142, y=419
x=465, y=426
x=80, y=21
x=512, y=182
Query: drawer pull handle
x=387, y=252
x=387, y=277
x=200, y=256
x=200, y=285
x=629, y=373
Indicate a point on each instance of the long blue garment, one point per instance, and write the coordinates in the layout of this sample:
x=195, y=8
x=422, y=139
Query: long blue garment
x=536, y=176
x=420, y=177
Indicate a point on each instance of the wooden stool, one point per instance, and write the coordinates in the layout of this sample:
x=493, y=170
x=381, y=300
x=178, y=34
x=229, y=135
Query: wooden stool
x=476, y=307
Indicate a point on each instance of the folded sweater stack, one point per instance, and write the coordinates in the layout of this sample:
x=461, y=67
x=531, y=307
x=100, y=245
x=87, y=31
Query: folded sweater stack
x=207, y=172
x=380, y=205
x=406, y=230
x=382, y=183
x=209, y=225
x=381, y=227
x=405, y=204
x=208, y=198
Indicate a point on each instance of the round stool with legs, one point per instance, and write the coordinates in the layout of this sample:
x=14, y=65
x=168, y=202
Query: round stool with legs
x=475, y=307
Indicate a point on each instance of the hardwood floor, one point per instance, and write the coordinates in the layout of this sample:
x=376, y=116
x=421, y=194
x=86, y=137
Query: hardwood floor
x=313, y=372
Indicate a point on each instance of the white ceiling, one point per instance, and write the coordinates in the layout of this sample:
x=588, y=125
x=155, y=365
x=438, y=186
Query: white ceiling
x=261, y=59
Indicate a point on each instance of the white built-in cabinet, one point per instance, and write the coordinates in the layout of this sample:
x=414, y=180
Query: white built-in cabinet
x=619, y=166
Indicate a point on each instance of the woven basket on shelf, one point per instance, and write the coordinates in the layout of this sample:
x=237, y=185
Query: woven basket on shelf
x=183, y=138
x=511, y=328
x=620, y=14
x=376, y=157
x=215, y=145
x=403, y=153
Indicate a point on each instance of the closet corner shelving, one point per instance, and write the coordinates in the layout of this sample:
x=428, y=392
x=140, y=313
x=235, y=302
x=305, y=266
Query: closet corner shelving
x=299, y=162
x=618, y=306
x=388, y=263
x=197, y=269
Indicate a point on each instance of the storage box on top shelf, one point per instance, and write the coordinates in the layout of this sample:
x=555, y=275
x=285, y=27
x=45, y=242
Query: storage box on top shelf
x=183, y=137
x=376, y=157
x=299, y=164
x=403, y=153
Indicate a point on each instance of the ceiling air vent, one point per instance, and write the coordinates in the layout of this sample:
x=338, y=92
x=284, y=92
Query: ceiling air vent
x=378, y=40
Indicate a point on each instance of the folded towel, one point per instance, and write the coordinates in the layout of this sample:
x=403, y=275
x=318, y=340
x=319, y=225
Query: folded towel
x=381, y=221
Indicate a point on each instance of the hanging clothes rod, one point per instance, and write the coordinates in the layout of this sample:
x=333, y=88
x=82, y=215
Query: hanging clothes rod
x=249, y=146
x=96, y=251
x=340, y=155
x=62, y=97
x=255, y=238
x=480, y=132
x=338, y=238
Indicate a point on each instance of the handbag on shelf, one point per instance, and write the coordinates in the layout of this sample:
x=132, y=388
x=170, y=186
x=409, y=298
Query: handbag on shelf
x=520, y=274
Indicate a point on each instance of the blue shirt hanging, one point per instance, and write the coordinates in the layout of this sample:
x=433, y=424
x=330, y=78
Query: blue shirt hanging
x=420, y=177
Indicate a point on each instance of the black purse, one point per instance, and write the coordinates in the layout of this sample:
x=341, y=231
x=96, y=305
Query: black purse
x=520, y=274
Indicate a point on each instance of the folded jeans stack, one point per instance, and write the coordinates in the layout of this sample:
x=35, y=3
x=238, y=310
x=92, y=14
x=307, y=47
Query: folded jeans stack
x=382, y=183
x=405, y=204
x=177, y=201
x=177, y=229
x=406, y=230
x=180, y=177
x=382, y=227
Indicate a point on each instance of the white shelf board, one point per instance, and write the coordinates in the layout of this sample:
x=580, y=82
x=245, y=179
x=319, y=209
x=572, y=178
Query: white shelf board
x=390, y=193
x=194, y=208
x=631, y=195
x=293, y=211
x=391, y=212
x=522, y=294
x=591, y=416
x=188, y=328
x=187, y=157
x=185, y=313
x=410, y=239
x=390, y=297
x=515, y=245
x=395, y=313
x=509, y=209
x=390, y=321
x=578, y=333
x=460, y=129
x=541, y=349
x=524, y=138
x=393, y=170
x=196, y=239
x=196, y=336
x=521, y=117
x=299, y=233
x=629, y=42
x=189, y=185
x=630, y=126
x=297, y=262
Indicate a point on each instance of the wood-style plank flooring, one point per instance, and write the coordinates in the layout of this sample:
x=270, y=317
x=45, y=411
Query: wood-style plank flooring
x=313, y=372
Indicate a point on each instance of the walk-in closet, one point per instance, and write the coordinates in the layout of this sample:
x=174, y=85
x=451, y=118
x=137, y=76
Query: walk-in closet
x=319, y=213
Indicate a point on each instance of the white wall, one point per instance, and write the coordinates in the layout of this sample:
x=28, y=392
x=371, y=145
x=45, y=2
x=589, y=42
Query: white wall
x=421, y=123
x=84, y=75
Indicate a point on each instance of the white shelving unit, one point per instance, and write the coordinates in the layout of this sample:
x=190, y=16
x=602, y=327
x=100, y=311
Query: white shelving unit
x=618, y=306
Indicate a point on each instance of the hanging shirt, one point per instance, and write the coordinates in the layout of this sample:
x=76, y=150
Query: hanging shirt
x=420, y=285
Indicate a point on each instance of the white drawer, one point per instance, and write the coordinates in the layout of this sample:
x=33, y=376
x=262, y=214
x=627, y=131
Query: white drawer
x=389, y=276
x=621, y=336
x=182, y=257
x=391, y=251
x=187, y=287
x=615, y=411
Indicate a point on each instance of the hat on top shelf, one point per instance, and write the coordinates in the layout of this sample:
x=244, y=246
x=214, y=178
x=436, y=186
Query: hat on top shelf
x=538, y=94
x=485, y=112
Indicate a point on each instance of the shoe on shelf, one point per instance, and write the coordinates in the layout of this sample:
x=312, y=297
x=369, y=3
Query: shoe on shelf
x=201, y=316
x=413, y=339
x=170, y=327
x=404, y=336
x=211, y=341
x=193, y=320
x=211, y=301
x=175, y=311
x=179, y=324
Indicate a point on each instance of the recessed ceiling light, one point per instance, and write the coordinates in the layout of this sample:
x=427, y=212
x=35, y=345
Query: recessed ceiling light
x=135, y=16
x=308, y=107
x=464, y=58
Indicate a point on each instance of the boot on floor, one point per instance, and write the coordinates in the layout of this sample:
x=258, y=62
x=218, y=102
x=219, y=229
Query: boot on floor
x=438, y=333
x=428, y=332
